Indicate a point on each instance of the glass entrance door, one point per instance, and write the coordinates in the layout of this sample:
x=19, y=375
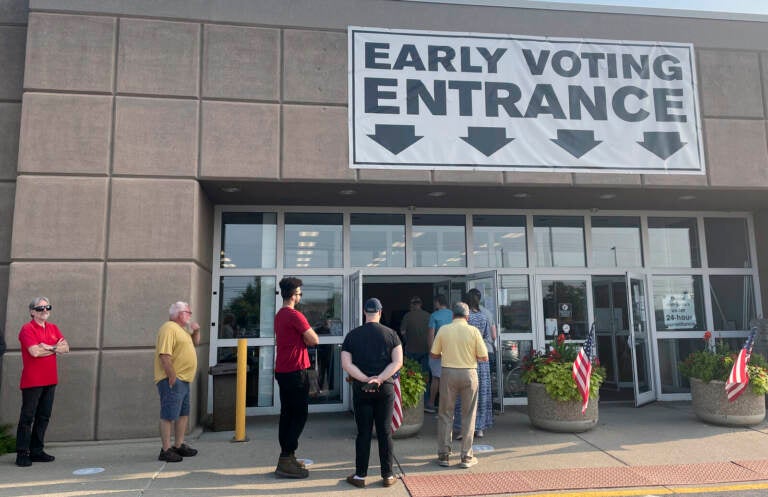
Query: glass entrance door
x=611, y=311
x=640, y=344
x=563, y=306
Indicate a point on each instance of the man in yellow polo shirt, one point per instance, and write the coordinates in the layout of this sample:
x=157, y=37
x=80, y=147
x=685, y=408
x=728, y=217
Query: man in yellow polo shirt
x=175, y=369
x=459, y=346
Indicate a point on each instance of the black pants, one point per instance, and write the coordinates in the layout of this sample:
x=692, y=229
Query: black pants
x=294, y=406
x=370, y=408
x=36, y=407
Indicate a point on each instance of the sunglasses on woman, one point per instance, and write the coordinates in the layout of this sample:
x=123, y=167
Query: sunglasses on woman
x=42, y=308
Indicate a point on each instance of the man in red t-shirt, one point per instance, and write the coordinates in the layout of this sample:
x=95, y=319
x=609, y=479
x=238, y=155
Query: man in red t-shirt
x=292, y=336
x=41, y=342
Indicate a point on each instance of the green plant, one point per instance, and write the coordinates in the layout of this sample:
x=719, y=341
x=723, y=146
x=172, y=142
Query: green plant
x=715, y=362
x=7, y=441
x=413, y=383
x=553, y=368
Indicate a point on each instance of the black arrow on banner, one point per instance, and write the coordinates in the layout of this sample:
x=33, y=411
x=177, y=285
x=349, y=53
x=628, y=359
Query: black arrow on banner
x=486, y=140
x=662, y=143
x=576, y=142
x=394, y=137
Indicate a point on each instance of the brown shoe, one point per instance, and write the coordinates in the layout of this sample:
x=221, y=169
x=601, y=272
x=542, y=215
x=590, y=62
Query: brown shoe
x=389, y=480
x=355, y=482
x=287, y=469
x=444, y=459
x=297, y=462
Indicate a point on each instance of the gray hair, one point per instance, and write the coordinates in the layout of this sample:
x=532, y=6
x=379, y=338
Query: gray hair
x=460, y=309
x=36, y=301
x=176, y=309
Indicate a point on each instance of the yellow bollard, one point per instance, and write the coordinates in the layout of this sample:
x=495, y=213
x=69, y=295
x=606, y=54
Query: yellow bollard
x=242, y=369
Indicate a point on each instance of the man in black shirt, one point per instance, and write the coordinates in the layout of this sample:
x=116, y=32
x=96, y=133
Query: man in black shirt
x=371, y=354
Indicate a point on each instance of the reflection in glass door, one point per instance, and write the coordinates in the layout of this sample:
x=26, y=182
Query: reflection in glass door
x=563, y=307
x=639, y=339
x=609, y=300
x=321, y=304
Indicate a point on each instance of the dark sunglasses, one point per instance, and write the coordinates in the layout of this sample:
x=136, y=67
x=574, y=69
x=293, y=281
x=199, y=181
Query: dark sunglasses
x=42, y=308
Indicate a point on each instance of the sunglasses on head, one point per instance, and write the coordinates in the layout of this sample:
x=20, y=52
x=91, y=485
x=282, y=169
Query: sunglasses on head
x=42, y=308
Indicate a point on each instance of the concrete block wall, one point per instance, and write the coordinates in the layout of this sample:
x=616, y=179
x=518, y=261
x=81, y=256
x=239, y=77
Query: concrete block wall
x=13, y=39
x=110, y=221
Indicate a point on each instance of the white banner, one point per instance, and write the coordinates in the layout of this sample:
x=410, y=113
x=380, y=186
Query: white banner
x=429, y=100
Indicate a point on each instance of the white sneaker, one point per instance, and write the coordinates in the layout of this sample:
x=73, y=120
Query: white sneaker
x=468, y=462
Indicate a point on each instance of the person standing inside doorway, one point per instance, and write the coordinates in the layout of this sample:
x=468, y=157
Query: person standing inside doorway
x=175, y=370
x=484, y=416
x=461, y=348
x=441, y=316
x=414, y=328
x=41, y=342
x=371, y=354
x=293, y=335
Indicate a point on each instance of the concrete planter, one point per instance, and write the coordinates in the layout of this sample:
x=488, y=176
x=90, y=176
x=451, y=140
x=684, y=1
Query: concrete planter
x=710, y=404
x=556, y=415
x=413, y=420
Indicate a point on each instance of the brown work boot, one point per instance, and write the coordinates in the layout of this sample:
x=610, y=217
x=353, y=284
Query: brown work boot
x=286, y=468
x=297, y=462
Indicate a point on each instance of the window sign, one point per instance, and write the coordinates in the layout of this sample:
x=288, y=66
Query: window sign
x=440, y=100
x=678, y=312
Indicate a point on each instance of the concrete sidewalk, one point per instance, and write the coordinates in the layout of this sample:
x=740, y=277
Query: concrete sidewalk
x=660, y=433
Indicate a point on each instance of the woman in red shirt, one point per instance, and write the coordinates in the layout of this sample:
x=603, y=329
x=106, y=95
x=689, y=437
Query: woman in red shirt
x=41, y=342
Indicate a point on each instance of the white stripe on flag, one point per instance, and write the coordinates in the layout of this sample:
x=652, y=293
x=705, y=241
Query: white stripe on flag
x=397, y=411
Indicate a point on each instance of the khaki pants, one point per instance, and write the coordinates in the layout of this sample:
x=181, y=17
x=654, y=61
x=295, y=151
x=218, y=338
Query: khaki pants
x=457, y=383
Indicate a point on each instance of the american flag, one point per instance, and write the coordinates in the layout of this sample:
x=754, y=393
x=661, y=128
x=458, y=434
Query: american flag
x=739, y=377
x=397, y=412
x=582, y=369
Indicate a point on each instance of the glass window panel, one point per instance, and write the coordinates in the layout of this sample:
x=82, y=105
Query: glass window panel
x=565, y=308
x=733, y=301
x=673, y=242
x=377, y=240
x=499, y=241
x=439, y=240
x=727, y=242
x=515, y=305
x=674, y=350
x=246, y=306
x=559, y=241
x=259, y=384
x=313, y=240
x=671, y=353
x=616, y=242
x=678, y=303
x=248, y=240
x=512, y=353
x=321, y=302
x=325, y=381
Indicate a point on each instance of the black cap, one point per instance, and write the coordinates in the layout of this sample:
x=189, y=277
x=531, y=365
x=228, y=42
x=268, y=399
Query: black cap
x=372, y=305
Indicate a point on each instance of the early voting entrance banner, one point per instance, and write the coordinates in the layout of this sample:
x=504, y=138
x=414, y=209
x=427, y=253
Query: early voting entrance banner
x=436, y=100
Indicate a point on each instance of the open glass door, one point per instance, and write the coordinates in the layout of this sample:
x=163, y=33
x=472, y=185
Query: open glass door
x=355, y=300
x=487, y=283
x=355, y=318
x=639, y=343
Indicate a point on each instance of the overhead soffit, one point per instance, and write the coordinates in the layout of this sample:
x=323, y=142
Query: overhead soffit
x=481, y=197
